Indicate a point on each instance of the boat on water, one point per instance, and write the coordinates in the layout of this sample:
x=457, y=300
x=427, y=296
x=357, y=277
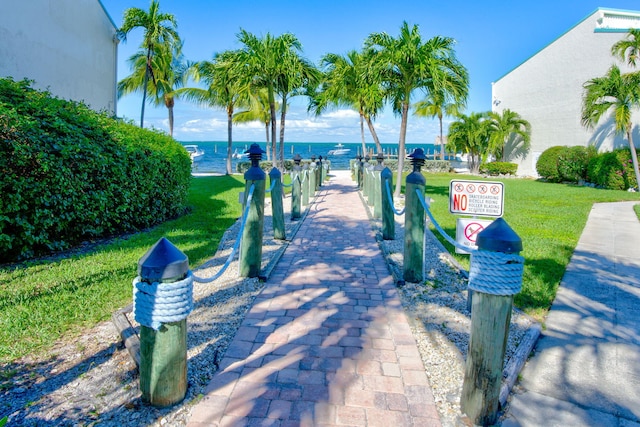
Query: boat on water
x=339, y=150
x=195, y=152
x=237, y=155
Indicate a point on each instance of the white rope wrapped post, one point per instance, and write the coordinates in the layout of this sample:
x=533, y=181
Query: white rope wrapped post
x=276, y=204
x=377, y=199
x=495, y=276
x=388, y=219
x=162, y=300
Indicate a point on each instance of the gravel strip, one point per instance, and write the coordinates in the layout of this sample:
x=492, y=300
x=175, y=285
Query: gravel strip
x=91, y=380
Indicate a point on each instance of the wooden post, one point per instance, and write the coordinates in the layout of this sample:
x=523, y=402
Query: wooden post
x=250, y=258
x=377, y=200
x=313, y=186
x=296, y=189
x=163, y=352
x=305, y=185
x=318, y=173
x=490, y=319
x=414, y=221
x=388, y=219
x=277, y=210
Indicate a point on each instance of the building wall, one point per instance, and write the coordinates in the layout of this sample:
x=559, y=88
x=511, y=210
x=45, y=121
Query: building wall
x=547, y=89
x=68, y=47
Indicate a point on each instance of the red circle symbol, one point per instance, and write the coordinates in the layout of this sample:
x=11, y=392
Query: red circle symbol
x=471, y=231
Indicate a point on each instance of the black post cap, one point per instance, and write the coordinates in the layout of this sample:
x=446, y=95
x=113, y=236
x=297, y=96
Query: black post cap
x=163, y=261
x=499, y=237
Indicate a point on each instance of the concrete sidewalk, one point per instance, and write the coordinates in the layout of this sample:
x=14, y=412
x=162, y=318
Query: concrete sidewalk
x=327, y=341
x=586, y=367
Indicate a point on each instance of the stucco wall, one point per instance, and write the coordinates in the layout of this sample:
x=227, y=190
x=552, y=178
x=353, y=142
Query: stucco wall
x=67, y=46
x=547, y=90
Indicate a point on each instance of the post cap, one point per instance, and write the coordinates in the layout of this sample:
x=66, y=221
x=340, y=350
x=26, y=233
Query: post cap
x=163, y=261
x=275, y=173
x=499, y=237
x=418, y=154
x=255, y=149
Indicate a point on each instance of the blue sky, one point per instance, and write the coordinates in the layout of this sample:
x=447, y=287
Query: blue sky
x=492, y=38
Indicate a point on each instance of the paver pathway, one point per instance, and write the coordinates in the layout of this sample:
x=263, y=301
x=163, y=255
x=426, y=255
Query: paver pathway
x=327, y=342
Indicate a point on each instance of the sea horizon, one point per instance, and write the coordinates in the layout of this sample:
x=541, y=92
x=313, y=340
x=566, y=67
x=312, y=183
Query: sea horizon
x=214, y=159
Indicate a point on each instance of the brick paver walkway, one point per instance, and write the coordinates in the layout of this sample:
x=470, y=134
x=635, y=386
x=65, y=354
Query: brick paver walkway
x=326, y=343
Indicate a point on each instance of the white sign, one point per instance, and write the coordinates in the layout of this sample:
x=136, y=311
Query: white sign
x=481, y=198
x=467, y=231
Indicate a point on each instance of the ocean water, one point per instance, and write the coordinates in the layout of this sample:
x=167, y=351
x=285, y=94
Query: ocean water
x=215, y=153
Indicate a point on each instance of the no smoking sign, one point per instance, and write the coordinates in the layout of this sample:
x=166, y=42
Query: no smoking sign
x=467, y=231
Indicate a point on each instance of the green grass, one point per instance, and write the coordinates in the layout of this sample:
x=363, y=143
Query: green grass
x=42, y=301
x=549, y=219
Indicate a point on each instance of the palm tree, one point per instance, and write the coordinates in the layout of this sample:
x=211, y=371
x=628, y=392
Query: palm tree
x=470, y=135
x=408, y=63
x=297, y=76
x=628, y=48
x=437, y=104
x=256, y=109
x=618, y=93
x=265, y=61
x=224, y=88
x=159, y=28
x=170, y=74
x=347, y=82
x=504, y=126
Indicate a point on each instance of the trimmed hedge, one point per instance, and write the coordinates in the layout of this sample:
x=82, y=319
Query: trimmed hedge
x=70, y=174
x=499, y=168
x=433, y=166
x=547, y=164
x=267, y=165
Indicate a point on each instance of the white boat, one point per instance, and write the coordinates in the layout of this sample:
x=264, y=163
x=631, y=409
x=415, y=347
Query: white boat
x=339, y=150
x=194, y=152
x=237, y=155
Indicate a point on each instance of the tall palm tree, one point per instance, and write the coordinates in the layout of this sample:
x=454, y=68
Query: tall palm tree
x=628, y=48
x=265, y=61
x=347, y=82
x=296, y=77
x=256, y=108
x=470, y=135
x=618, y=93
x=408, y=63
x=170, y=74
x=224, y=82
x=159, y=28
x=504, y=126
x=437, y=104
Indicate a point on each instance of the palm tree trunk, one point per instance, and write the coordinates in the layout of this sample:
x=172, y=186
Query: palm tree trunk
x=282, y=117
x=374, y=135
x=170, y=121
x=229, y=139
x=144, y=87
x=634, y=157
x=272, y=109
x=401, y=147
x=364, y=147
x=266, y=130
x=441, y=138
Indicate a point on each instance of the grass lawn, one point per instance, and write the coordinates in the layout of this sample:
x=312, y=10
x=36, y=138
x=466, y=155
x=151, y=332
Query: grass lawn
x=42, y=301
x=549, y=219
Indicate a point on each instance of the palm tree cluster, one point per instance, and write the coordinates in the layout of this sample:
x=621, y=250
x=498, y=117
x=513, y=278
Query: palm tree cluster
x=257, y=81
x=616, y=92
x=489, y=134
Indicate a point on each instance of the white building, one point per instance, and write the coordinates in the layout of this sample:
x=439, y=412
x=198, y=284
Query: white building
x=68, y=47
x=547, y=88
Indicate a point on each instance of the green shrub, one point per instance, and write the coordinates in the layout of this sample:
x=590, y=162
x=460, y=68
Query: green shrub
x=70, y=174
x=267, y=165
x=607, y=171
x=573, y=163
x=499, y=168
x=547, y=164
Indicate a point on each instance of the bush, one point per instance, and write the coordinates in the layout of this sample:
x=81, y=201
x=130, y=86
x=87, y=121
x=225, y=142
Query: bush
x=547, y=164
x=499, y=168
x=70, y=174
x=267, y=165
x=612, y=170
x=573, y=163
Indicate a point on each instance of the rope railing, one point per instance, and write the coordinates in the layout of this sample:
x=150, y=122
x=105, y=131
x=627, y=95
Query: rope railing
x=236, y=245
x=505, y=269
x=273, y=184
x=390, y=197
